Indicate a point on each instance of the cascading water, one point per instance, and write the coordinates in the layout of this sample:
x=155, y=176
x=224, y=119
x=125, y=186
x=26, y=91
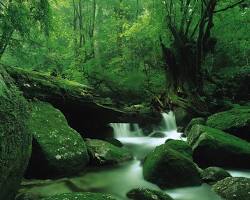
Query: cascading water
x=126, y=130
x=132, y=135
x=169, y=123
x=121, y=179
x=131, y=174
x=168, y=127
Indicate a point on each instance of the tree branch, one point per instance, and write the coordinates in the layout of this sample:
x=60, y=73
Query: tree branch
x=1, y=3
x=229, y=7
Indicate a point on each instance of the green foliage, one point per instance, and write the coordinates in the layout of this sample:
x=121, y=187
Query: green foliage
x=114, y=45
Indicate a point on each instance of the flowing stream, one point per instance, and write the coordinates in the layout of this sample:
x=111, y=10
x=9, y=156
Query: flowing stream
x=121, y=179
x=118, y=181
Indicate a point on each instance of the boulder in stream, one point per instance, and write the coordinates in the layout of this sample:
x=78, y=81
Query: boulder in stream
x=235, y=121
x=211, y=175
x=105, y=153
x=213, y=147
x=147, y=194
x=198, y=120
x=233, y=188
x=15, y=139
x=81, y=196
x=168, y=168
x=181, y=146
x=58, y=150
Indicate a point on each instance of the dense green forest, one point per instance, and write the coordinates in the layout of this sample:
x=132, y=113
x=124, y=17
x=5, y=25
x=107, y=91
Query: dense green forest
x=116, y=46
x=129, y=74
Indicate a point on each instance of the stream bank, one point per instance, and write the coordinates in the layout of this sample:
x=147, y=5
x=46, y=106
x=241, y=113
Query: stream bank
x=120, y=179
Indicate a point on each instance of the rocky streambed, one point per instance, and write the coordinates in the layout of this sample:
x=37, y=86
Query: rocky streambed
x=168, y=166
x=66, y=164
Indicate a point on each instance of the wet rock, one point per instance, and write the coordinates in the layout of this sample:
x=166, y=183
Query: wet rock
x=213, y=147
x=182, y=147
x=15, y=139
x=233, y=188
x=104, y=153
x=194, y=121
x=38, y=189
x=211, y=175
x=158, y=134
x=81, y=196
x=169, y=169
x=58, y=148
x=235, y=121
x=147, y=194
x=114, y=141
x=182, y=116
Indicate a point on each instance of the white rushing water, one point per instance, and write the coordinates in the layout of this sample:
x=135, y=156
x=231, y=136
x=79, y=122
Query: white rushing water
x=126, y=130
x=130, y=174
x=119, y=180
x=169, y=122
x=132, y=135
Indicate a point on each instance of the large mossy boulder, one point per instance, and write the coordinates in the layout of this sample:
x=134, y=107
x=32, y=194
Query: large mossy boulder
x=147, y=194
x=182, y=147
x=105, y=153
x=235, y=121
x=213, y=147
x=233, y=188
x=15, y=139
x=59, y=149
x=211, y=175
x=81, y=196
x=169, y=169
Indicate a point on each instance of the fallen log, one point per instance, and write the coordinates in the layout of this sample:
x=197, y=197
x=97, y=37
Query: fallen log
x=85, y=111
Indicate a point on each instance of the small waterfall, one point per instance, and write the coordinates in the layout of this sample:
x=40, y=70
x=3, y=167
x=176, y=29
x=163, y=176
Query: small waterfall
x=126, y=130
x=169, y=123
x=168, y=128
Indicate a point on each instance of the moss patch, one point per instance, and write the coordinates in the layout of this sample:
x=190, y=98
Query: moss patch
x=147, y=194
x=212, y=147
x=233, y=188
x=81, y=196
x=104, y=153
x=61, y=149
x=235, y=121
x=168, y=168
x=15, y=139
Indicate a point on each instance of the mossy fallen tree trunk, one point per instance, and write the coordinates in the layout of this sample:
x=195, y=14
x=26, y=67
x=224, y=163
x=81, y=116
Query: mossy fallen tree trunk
x=85, y=111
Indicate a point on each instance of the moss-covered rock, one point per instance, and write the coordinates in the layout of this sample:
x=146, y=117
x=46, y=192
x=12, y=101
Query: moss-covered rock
x=233, y=188
x=114, y=141
x=81, y=196
x=213, y=147
x=59, y=148
x=147, y=194
x=15, y=139
x=211, y=175
x=194, y=121
x=182, y=147
x=235, y=121
x=169, y=169
x=105, y=153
